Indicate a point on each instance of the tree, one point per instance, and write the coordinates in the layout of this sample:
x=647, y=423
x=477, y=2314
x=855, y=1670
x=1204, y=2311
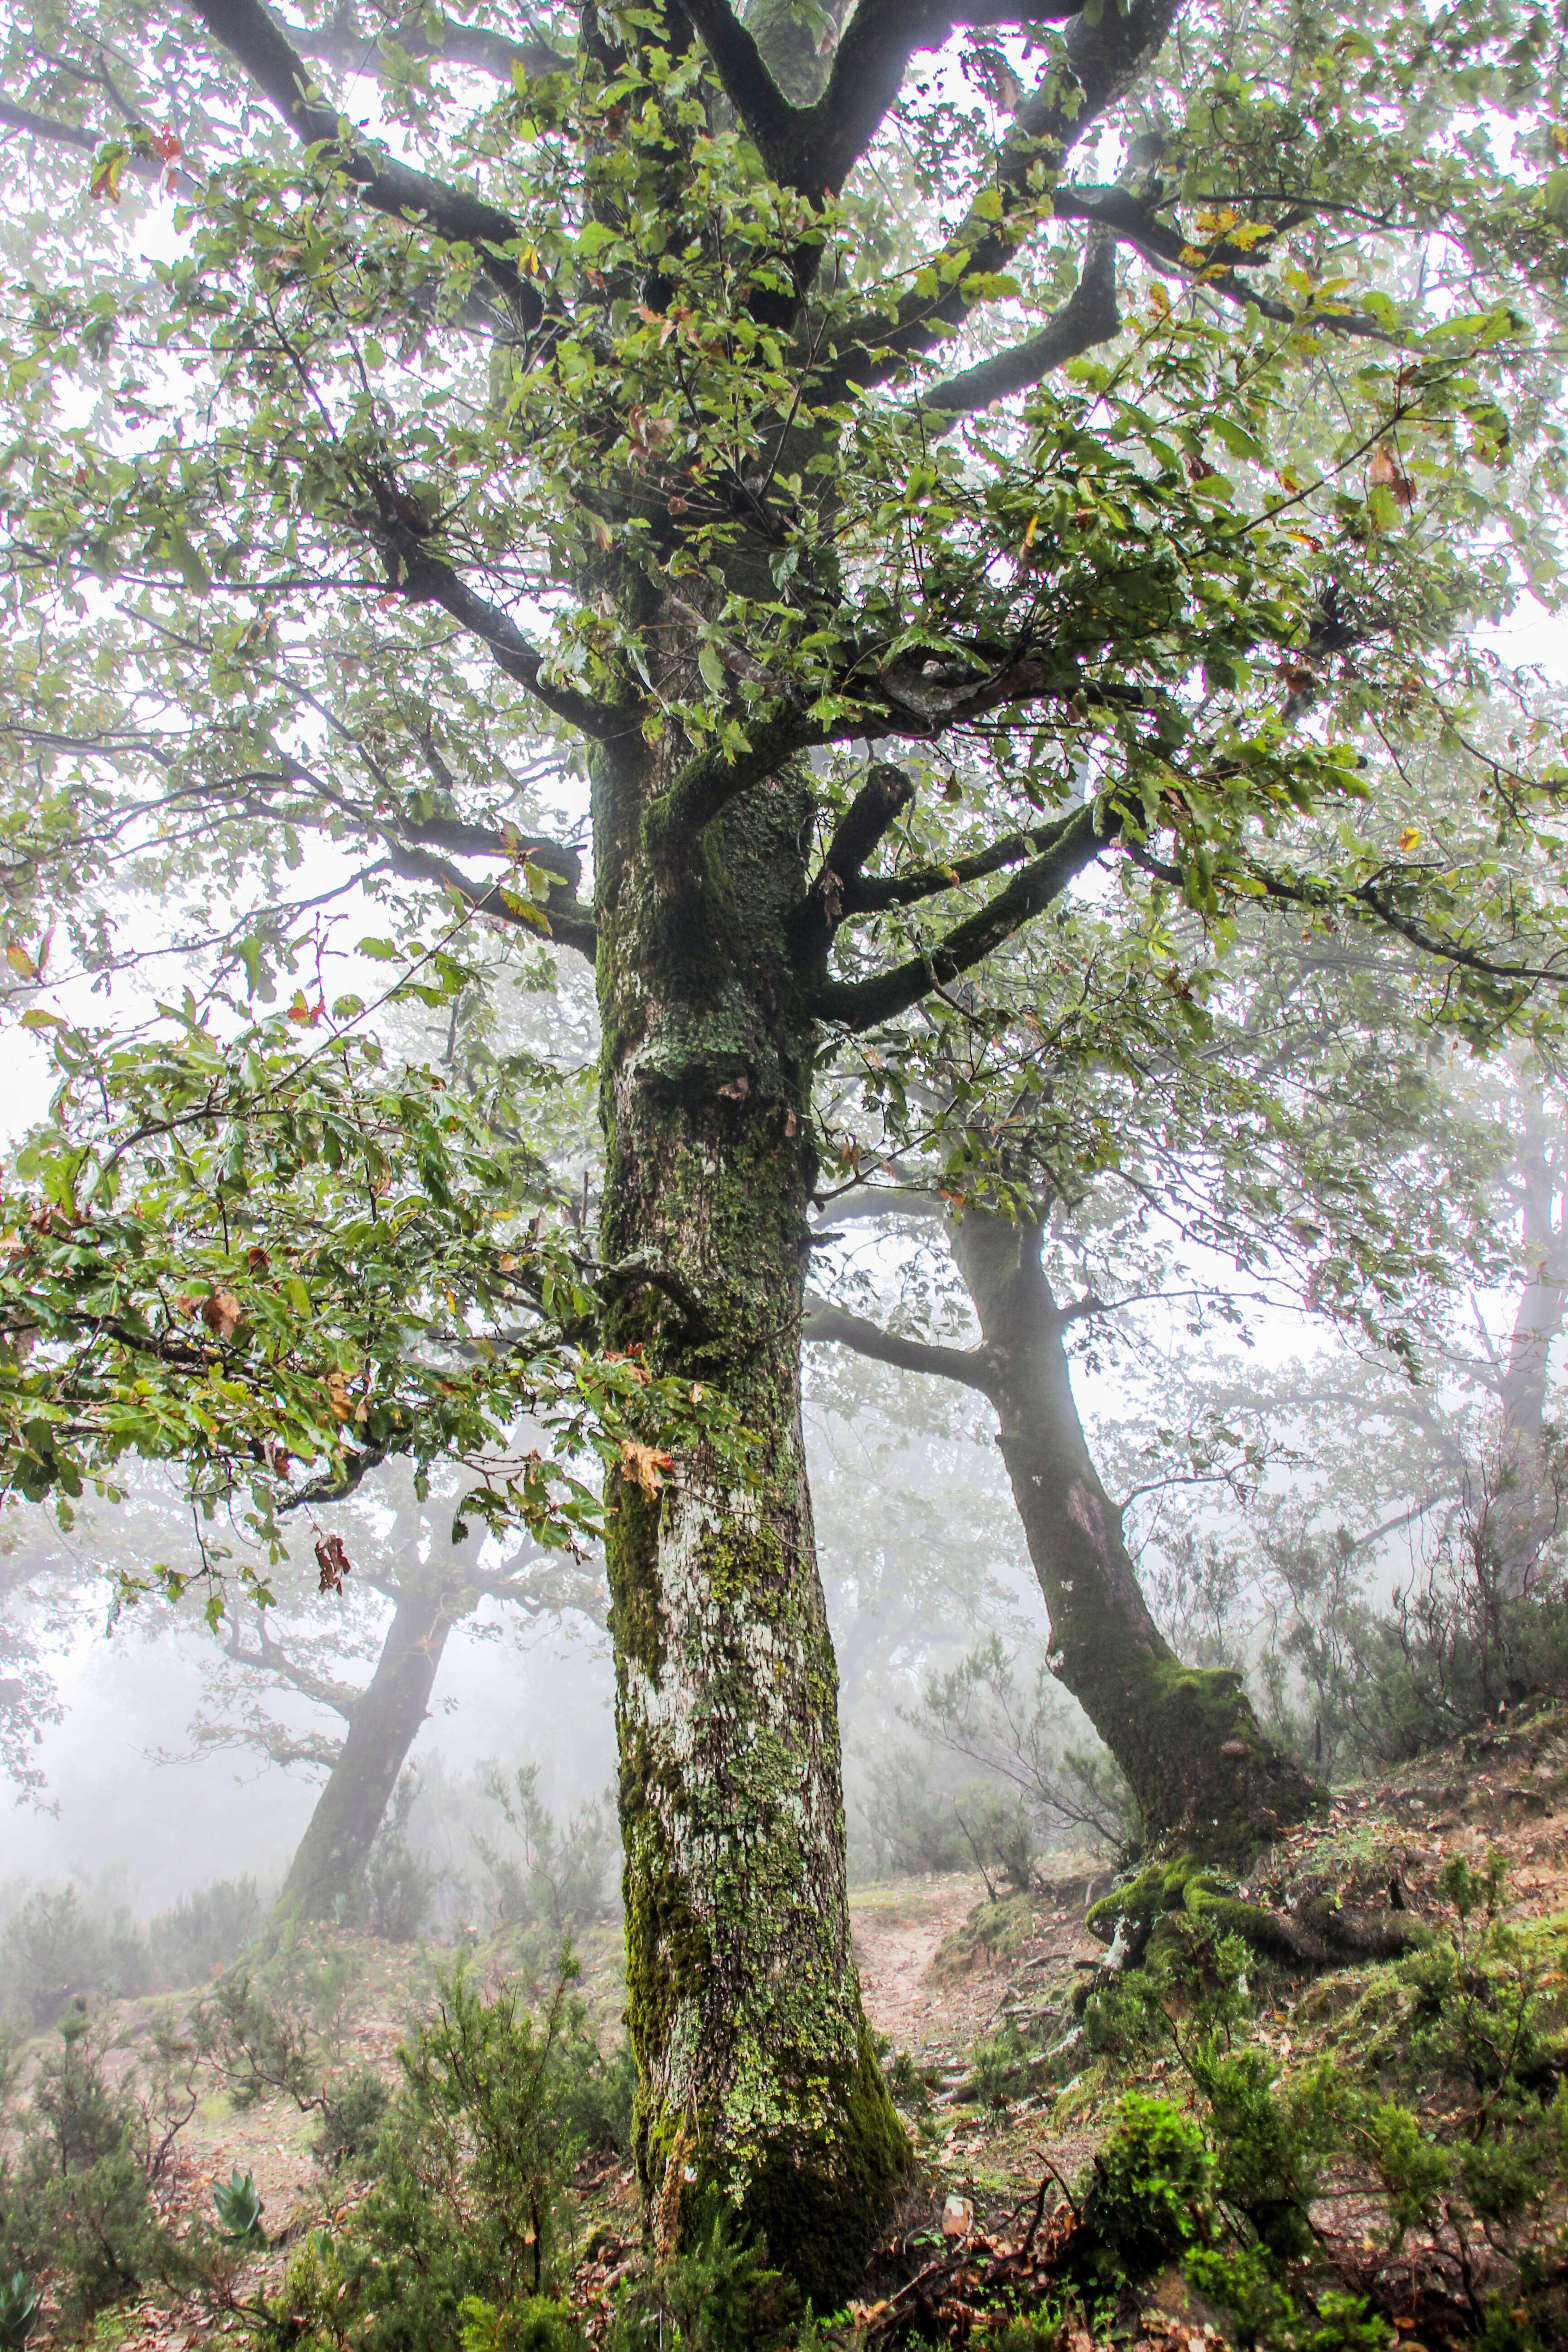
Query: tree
x=654, y=395
x=380, y=1719
x=1268, y=1107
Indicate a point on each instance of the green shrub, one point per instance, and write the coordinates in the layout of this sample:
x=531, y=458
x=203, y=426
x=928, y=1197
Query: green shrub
x=715, y=2295
x=1149, y=2189
x=54, y=1949
x=80, y=2205
x=351, y=2119
x=467, y=2219
x=536, y=2325
x=398, y=1886
x=1269, y=2144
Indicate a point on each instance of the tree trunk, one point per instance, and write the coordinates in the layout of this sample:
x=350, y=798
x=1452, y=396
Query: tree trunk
x=755, y=2064
x=382, y=1730
x=1208, y=1781
x=1527, y=1514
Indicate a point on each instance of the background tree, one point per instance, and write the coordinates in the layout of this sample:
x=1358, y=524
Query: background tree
x=622, y=401
x=432, y=1587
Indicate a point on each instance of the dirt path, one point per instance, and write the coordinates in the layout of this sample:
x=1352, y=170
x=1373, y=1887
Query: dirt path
x=898, y=1932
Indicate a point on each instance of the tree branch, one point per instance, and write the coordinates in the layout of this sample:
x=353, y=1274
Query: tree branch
x=569, y=921
x=859, y=1005
x=748, y=85
x=884, y=795
x=1219, y=264
x=827, y=1324
x=71, y=134
x=1100, y=62
x=871, y=895
x=434, y=35
x=1088, y=317
x=424, y=579
x=252, y=36
x=708, y=783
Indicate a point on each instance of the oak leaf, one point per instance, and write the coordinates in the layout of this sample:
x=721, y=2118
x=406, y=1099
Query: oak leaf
x=1388, y=475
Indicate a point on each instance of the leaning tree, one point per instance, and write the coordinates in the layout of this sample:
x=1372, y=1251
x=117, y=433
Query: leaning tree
x=721, y=394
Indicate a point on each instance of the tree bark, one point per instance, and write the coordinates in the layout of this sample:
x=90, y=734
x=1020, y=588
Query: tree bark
x=755, y=2064
x=383, y=1728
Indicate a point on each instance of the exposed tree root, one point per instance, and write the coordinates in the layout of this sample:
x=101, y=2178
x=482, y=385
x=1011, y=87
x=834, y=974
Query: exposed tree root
x=1138, y=1920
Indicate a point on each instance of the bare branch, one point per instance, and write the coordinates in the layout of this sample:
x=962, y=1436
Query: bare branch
x=1080, y=839
x=826, y=1324
x=71, y=134
x=1088, y=317
x=1100, y=61
x=338, y=43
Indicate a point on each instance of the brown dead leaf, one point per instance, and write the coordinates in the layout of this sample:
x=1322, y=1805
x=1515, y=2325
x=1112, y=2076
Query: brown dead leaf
x=649, y=434
x=221, y=1313
x=739, y=1088
x=257, y=1259
x=1387, y=474
x=338, y=1398
x=334, y=1562
x=643, y=1464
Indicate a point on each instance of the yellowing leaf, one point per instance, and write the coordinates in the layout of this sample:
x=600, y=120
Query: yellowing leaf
x=644, y=1464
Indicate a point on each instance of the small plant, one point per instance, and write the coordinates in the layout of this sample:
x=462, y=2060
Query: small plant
x=715, y=2294
x=399, y=1884
x=205, y=1931
x=80, y=2203
x=238, y=2210
x=18, y=2310
x=536, y=2325
x=466, y=2224
x=352, y=2118
x=553, y=1879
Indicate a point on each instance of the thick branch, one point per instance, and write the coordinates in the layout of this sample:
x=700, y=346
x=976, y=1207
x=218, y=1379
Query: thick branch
x=252, y=36
x=859, y=1005
x=750, y=88
x=341, y=44
x=1088, y=317
x=881, y=800
x=70, y=135
x=871, y=895
x=826, y=1324
x=426, y=579
x=568, y=919
x=1217, y=265
x=814, y=148
x=1101, y=61
x=707, y=784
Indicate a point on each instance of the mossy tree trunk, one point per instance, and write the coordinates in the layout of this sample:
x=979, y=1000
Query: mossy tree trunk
x=755, y=2063
x=1209, y=1783
x=383, y=1725
x=1207, y=1779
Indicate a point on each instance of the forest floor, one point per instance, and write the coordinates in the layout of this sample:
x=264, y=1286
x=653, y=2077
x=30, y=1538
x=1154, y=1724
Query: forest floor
x=945, y=1970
